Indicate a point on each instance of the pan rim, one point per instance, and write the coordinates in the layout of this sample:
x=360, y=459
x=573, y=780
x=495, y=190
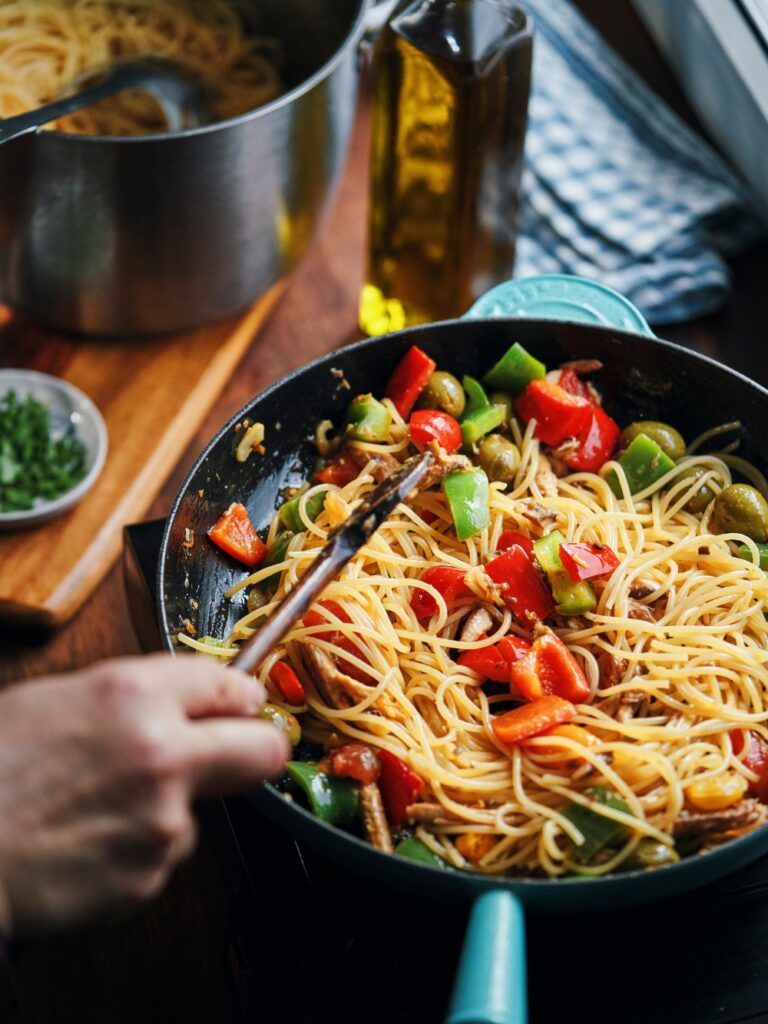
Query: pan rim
x=639, y=879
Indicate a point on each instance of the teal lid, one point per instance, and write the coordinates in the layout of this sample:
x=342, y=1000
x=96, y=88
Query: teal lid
x=561, y=297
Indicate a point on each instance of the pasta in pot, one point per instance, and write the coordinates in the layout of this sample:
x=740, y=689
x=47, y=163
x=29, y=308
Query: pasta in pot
x=674, y=652
x=48, y=45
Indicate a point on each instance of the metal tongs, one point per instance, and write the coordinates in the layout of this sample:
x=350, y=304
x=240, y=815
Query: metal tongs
x=343, y=543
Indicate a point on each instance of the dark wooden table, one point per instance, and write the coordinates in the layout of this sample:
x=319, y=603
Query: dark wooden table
x=174, y=962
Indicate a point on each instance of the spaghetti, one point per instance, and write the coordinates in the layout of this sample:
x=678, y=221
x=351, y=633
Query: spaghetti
x=675, y=653
x=47, y=46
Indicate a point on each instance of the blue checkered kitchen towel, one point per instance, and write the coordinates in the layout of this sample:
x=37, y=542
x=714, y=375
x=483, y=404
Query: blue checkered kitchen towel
x=616, y=188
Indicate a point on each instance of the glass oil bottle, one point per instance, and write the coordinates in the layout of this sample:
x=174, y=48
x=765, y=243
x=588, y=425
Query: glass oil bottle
x=450, y=97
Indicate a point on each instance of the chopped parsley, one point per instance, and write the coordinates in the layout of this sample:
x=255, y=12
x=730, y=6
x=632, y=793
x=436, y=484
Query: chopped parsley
x=32, y=464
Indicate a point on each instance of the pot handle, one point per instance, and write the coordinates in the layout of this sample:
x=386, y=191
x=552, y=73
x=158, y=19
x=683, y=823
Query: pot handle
x=490, y=986
x=561, y=297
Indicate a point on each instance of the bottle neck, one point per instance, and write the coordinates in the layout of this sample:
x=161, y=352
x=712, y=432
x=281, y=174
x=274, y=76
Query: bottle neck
x=473, y=31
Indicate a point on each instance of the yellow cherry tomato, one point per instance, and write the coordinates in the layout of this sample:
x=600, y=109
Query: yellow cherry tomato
x=718, y=792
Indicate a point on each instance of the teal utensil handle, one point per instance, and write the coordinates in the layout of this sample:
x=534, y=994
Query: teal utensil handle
x=561, y=297
x=490, y=986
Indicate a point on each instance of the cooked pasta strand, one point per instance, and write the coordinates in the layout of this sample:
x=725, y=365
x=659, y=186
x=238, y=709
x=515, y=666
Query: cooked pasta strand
x=48, y=46
x=696, y=672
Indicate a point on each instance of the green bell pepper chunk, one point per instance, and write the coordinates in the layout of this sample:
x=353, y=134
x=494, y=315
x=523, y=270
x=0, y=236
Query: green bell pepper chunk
x=597, y=830
x=278, y=548
x=467, y=494
x=515, y=371
x=414, y=849
x=643, y=463
x=476, y=396
x=209, y=641
x=335, y=800
x=570, y=598
x=289, y=512
x=505, y=401
x=480, y=422
x=368, y=419
x=762, y=550
x=275, y=554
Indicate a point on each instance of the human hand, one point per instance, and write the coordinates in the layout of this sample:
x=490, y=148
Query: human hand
x=98, y=770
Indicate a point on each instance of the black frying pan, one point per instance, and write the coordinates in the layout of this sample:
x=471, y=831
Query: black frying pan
x=642, y=379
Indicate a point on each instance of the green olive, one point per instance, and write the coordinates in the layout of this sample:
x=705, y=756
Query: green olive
x=444, y=392
x=499, y=458
x=649, y=853
x=256, y=599
x=502, y=398
x=741, y=508
x=667, y=438
x=283, y=720
x=701, y=498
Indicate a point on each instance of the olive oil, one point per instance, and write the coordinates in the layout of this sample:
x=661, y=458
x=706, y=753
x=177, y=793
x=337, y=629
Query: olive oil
x=450, y=98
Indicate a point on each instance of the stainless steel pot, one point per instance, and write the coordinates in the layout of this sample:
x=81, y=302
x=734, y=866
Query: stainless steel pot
x=158, y=233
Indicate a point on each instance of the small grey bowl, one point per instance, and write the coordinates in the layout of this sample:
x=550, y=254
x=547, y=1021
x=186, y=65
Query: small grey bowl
x=68, y=406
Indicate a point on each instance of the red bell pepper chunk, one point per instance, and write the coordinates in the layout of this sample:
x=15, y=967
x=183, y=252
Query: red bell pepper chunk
x=513, y=648
x=288, y=683
x=532, y=719
x=488, y=662
x=347, y=644
x=511, y=538
x=756, y=759
x=571, y=382
x=522, y=588
x=558, y=415
x=447, y=581
x=315, y=617
x=399, y=786
x=588, y=561
x=597, y=442
x=341, y=470
x=409, y=379
x=427, y=425
x=235, y=534
x=549, y=669
x=495, y=661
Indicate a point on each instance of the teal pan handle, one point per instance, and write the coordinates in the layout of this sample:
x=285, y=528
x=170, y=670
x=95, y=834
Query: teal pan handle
x=561, y=297
x=490, y=986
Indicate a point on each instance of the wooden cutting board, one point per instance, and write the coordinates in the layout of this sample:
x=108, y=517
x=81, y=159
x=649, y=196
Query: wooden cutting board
x=153, y=394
